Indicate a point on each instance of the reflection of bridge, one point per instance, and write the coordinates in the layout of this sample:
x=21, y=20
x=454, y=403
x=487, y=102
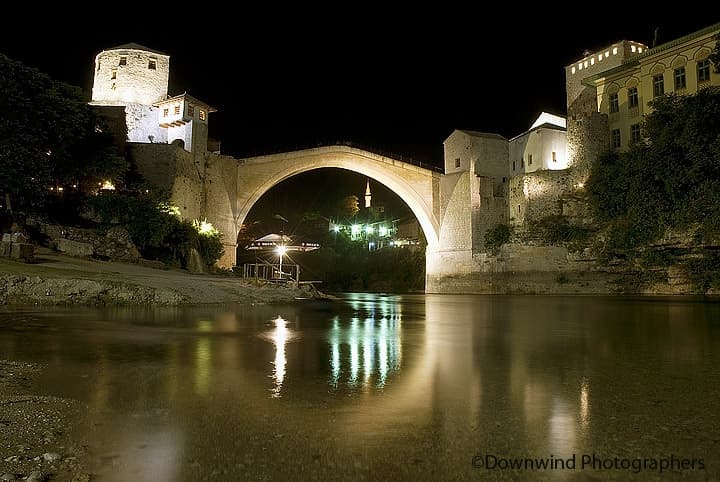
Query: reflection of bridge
x=224, y=190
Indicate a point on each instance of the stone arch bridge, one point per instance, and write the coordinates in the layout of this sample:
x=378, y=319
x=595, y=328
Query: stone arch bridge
x=223, y=189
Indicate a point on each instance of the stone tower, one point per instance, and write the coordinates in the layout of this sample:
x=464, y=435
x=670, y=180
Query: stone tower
x=130, y=74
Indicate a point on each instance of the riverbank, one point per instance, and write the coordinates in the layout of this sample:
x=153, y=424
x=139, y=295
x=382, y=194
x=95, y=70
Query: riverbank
x=56, y=279
x=36, y=442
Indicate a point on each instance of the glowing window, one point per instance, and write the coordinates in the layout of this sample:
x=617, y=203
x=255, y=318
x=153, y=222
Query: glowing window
x=176, y=110
x=599, y=57
x=639, y=50
x=152, y=64
x=592, y=61
x=580, y=66
x=607, y=53
x=585, y=64
x=632, y=48
x=614, y=50
x=123, y=60
x=573, y=70
x=202, y=115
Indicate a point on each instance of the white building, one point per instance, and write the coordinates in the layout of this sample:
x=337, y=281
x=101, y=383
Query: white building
x=542, y=147
x=130, y=87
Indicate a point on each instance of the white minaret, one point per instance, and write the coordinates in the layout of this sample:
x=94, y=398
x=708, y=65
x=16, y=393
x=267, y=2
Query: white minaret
x=130, y=74
x=368, y=196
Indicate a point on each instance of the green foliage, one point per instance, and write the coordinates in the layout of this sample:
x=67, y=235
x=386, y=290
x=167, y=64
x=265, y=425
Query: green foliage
x=497, y=236
x=345, y=265
x=673, y=181
x=348, y=207
x=704, y=271
x=557, y=229
x=48, y=137
x=210, y=247
x=157, y=232
x=715, y=55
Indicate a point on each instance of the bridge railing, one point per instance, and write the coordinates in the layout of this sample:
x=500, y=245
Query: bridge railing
x=374, y=150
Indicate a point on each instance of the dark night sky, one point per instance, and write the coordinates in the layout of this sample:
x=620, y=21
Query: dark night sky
x=398, y=82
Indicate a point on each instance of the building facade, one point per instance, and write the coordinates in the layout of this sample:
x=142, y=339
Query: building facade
x=624, y=92
x=130, y=89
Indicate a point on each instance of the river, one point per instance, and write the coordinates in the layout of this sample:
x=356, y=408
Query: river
x=411, y=387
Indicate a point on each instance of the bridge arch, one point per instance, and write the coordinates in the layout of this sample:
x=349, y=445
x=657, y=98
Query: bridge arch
x=416, y=186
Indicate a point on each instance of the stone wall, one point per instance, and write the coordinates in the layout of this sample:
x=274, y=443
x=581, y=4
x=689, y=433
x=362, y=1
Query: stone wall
x=114, y=244
x=133, y=82
x=173, y=169
x=142, y=124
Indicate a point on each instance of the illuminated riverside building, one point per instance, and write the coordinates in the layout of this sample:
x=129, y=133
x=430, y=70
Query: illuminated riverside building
x=623, y=89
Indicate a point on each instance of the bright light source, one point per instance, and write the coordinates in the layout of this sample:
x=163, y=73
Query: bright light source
x=573, y=70
x=369, y=229
x=580, y=185
x=61, y=189
x=203, y=227
x=614, y=50
x=281, y=250
x=336, y=228
x=592, y=61
x=382, y=230
x=355, y=229
x=632, y=48
x=107, y=185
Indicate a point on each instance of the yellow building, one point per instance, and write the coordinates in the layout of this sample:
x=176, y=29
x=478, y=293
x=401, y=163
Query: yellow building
x=625, y=91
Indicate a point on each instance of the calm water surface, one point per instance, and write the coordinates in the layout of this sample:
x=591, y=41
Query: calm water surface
x=420, y=387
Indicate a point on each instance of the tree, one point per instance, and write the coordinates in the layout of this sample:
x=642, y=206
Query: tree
x=48, y=136
x=348, y=207
x=715, y=55
x=672, y=181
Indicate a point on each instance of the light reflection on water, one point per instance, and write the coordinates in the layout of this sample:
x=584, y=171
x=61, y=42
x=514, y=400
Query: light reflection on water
x=382, y=376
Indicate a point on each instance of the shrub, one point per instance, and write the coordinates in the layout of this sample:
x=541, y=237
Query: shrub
x=497, y=236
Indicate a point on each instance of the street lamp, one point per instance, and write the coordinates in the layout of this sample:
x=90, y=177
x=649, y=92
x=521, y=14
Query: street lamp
x=281, y=250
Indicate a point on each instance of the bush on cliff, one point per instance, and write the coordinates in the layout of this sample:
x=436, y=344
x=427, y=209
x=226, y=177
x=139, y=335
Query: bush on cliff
x=497, y=236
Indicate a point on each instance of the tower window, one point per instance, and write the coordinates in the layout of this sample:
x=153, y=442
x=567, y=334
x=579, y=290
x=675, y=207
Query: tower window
x=202, y=115
x=123, y=60
x=152, y=64
x=457, y=162
x=513, y=165
x=191, y=110
x=166, y=112
x=98, y=66
x=113, y=75
x=529, y=159
x=176, y=111
x=554, y=156
x=522, y=162
x=614, y=104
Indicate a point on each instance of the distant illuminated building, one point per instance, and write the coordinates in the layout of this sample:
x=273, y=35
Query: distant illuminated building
x=368, y=196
